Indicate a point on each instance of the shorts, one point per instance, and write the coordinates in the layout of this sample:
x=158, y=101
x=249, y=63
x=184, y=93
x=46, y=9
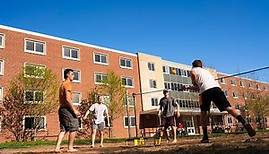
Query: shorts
x=100, y=126
x=217, y=96
x=68, y=120
x=169, y=121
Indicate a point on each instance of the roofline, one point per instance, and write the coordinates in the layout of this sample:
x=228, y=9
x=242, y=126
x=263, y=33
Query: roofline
x=65, y=40
x=226, y=74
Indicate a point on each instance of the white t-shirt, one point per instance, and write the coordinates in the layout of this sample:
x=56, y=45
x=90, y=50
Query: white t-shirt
x=99, y=112
x=204, y=79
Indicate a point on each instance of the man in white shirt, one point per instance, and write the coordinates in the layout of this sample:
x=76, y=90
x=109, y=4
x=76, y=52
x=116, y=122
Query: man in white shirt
x=99, y=111
x=210, y=91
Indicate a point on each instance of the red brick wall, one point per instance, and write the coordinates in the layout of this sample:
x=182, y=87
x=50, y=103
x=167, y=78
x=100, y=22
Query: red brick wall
x=14, y=56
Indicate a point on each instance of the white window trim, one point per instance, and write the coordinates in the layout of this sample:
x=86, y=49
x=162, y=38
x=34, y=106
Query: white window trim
x=125, y=67
x=236, y=97
x=154, y=99
x=2, y=94
x=34, y=101
x=166, y=70
x=1, y=119
x=4, y=41
x=26, y=63
x=94, y=74
x=151, y=65
x=241, y=84
x=130, y=105
x=152, y=82
x=129, y=121
x=3, y=66
x=100, y=63
x=80, y=98
x=34, y=52
x=45, y=123
x=233, y=84
x=70, y=58
x=223, y=81
x=74, y=81
x=127, y=86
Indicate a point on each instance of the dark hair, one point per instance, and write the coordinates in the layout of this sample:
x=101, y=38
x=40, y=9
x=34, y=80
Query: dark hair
x=165, y=91
x=66, y=71
x=197, y=63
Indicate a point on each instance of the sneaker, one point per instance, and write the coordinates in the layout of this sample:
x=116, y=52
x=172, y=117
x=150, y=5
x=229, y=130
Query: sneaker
x=250, y=130
x=204, y=140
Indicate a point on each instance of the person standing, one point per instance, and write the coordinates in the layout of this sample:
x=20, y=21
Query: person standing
x=68, y=115
x=210, y=90
x=167, y=111
x=99, y=110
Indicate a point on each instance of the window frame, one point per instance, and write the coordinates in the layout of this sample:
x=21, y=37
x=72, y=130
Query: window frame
x=29, y=116
x=125, y=58
x=34, y=51
x=152, y=81
x=70, y=58
x=3, y=36
x=80, y=97
x=2, y=71
x=100, y=73
x=126, y=126
x=151, y=66
x=41, y=66
x=126, y=77
x=102, y=54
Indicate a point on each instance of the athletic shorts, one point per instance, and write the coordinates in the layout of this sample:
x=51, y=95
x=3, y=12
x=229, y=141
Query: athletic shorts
x=217, y=96
x=169, y=121
x=100, y=126
x=68, y=121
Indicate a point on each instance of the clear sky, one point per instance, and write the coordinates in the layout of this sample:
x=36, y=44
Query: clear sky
x=228, y=35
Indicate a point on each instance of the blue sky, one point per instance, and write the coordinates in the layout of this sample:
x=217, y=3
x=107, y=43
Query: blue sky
x=228, y=35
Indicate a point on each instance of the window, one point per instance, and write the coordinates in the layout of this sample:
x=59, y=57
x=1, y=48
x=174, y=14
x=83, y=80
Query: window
x=1, y=94
x=165, y=69
x=151, y=66
x=127, y=82
x=1, y=119
x=130, y=100
x=222, y=81
x=241, y=84
x=33, y=96
x=249, y=85
x=237, y=106
x=152, y=83
x=100, y=59
x=125, y=63
x=2, y=40
x=230, y=120
x=100, y=78
x=71, y=53
x=131, y=121
x=258, y=87
x=31, y=122
x=36, y=47
x=233, y=82
x=235, y=95
x=33, y=70
x=154, y=102
x=184, y=73
x=1, y=67
x=76, y=100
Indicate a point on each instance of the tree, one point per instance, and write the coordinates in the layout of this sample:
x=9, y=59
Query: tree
x=31, y=94
x=258, y=107
x=84, y=106
x=113, y=88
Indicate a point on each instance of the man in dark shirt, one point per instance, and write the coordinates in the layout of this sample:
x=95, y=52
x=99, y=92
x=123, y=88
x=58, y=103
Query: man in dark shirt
x=167, y=111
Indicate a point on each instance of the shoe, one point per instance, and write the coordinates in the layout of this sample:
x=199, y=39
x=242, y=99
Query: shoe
x=250, y=130
x=101, y=145
x=204, y=140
